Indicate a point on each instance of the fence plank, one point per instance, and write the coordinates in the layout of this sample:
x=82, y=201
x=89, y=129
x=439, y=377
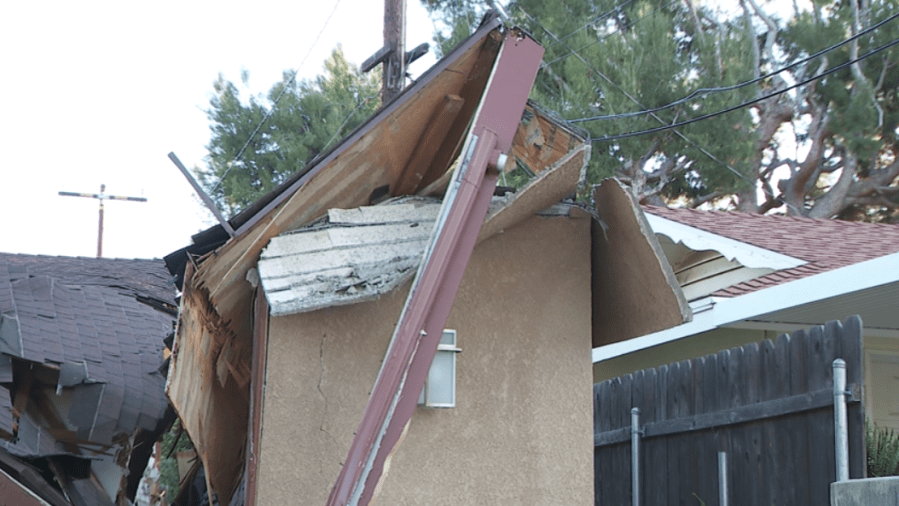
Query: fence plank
x=622, y=452
x=853, y=353
x=820, y=424
x=783, y=436
x=655, y=451
x=602, y=466
x=768, y=405
x=686, y=443
x=751, y=370
x=798, y=425
x=674, y=470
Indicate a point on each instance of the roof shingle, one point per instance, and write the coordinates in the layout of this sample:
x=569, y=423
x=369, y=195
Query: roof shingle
x=89, y=311
x=824, y=244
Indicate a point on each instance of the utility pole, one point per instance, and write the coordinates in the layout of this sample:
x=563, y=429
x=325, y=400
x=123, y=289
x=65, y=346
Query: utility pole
x=395, y=39
x=393, y=55
x=101, y=197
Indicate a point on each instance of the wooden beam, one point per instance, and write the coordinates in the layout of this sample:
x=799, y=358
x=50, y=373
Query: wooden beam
x=260, y=355
x=741, y=414
x=428, y=144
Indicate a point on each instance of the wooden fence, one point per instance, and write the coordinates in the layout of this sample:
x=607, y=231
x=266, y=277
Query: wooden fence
x=768, y=405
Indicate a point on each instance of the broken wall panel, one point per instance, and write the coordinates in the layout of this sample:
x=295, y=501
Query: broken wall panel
x=358, y=255
x=342, y=182
x=523, y=377
x=551, y=186
x=634, y=289
x=541, y=140
x=214, y=413
x=221, y=296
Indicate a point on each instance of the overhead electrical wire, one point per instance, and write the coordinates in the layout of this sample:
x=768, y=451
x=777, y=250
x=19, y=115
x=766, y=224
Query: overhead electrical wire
x=593, y=21
x=708, y=91
x=600, y=39
x=744, y=104
x=345, y=121
x=701, y=149
x=277, y=99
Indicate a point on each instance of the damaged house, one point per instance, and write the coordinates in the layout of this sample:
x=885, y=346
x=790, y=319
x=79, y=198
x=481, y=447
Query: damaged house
x=81, y=345
x=389, y=324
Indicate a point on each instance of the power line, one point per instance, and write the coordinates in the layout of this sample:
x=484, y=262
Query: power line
x=277, y=99
x=345, y=121
x=744, y=104
x=655, y=116
x=601, y=17
x=600, y=39
x=706, y=91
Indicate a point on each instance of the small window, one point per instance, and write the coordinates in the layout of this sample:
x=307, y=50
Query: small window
x=440, y=387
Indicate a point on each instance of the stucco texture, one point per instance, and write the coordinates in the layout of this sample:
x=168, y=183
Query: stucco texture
x=521, y=431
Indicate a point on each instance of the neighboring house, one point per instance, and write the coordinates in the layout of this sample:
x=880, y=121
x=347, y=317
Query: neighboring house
x=315, y=343
x=81, y=346
x=751, y=277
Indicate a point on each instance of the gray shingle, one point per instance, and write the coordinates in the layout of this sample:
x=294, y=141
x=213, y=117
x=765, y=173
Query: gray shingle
x=86, y=311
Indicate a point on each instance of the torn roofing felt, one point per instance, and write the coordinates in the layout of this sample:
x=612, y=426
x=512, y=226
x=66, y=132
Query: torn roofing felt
x=81, y=324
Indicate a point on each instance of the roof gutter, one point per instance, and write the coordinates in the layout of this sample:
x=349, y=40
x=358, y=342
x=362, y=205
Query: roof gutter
x=852, y=278
x=414, y=343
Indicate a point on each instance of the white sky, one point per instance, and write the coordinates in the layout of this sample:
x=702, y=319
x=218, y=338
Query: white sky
x=101, y=91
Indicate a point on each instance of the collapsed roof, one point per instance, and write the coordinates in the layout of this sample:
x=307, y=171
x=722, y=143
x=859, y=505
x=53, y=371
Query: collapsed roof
x=407, y=148
x=81, y=345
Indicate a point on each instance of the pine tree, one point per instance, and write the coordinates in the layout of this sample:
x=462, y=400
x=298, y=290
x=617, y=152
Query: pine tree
x=309, y=117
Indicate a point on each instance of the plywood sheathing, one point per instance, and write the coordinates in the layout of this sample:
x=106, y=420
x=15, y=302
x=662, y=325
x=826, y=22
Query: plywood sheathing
x=552, y=185
x=541, y=141
x=635, y=291
x=217, y=312
x=215, y=414
x=347, y=182
x=434, y=136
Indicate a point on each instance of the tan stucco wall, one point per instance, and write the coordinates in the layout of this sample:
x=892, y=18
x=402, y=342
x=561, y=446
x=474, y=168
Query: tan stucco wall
x=521, y=432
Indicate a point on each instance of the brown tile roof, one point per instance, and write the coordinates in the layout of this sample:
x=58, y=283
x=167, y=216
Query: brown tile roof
x=824, y=244
x=101, y=323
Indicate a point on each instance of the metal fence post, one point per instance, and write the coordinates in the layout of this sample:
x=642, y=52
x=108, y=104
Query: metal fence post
x=722, y=478
x=840, y=421
x=635, y=456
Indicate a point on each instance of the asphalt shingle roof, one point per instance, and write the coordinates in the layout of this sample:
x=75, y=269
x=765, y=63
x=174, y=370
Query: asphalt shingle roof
x=824, y=244
x=84, y=316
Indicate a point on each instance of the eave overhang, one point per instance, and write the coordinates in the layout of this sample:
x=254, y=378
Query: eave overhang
x=876, y=279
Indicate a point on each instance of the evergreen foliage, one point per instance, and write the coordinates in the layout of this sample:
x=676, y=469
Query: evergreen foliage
x=168, y=468
x=310, y=117
x=883, y=451
x=826, y=149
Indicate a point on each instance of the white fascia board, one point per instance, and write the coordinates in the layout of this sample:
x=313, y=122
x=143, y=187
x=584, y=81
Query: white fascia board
x=724, y=311
x=700, y=240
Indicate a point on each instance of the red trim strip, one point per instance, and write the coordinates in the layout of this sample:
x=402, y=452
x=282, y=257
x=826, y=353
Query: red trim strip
x=427, y=308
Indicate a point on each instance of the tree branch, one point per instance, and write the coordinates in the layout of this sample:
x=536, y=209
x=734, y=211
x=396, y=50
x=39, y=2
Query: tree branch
x=698, y=201
x=834, y=200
